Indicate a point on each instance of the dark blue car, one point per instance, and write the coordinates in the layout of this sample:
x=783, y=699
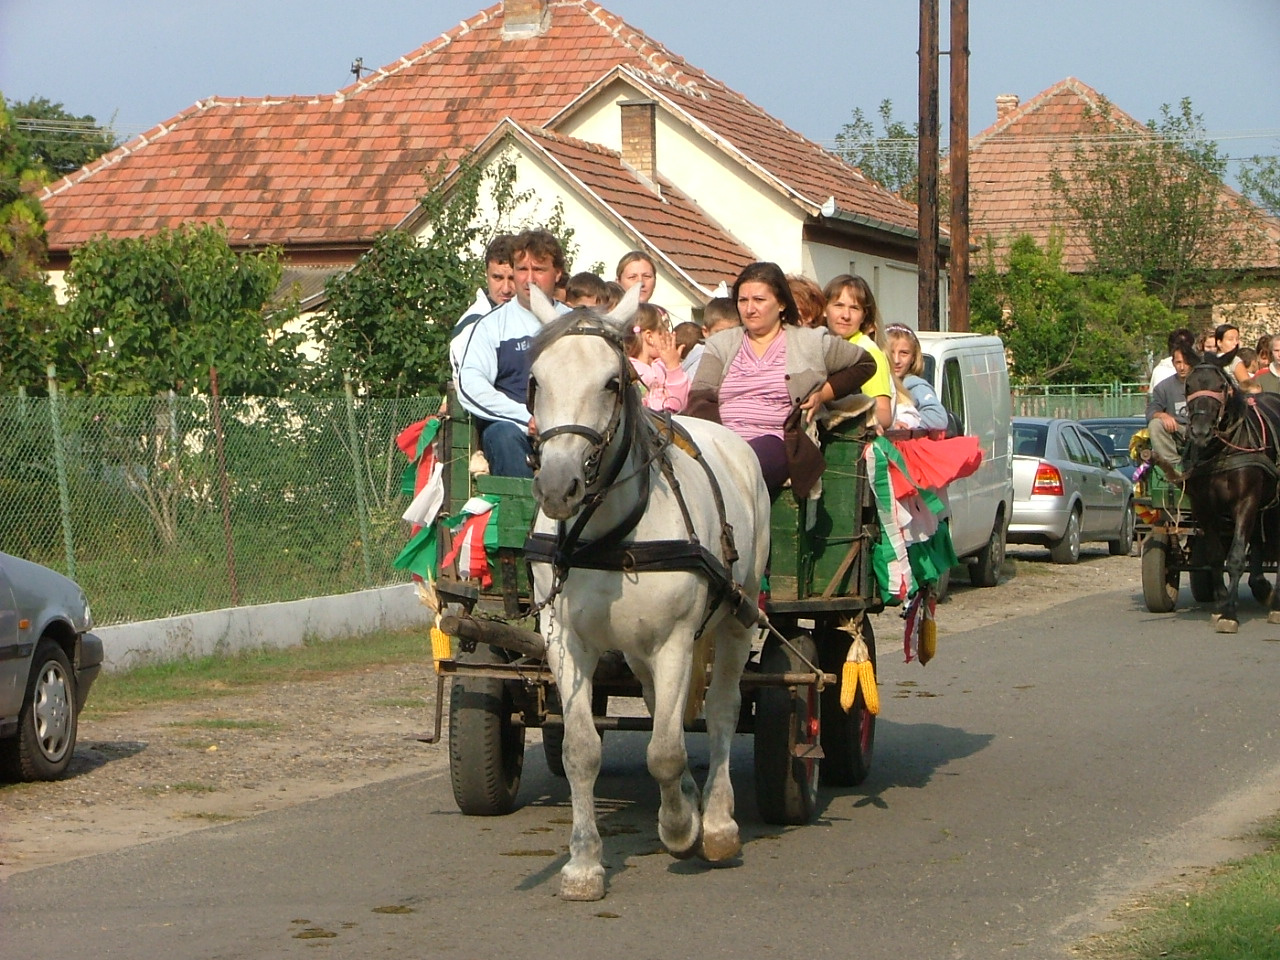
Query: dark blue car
x=1114, y=433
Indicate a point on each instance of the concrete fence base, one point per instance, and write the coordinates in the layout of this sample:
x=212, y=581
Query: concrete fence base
x=266, y=625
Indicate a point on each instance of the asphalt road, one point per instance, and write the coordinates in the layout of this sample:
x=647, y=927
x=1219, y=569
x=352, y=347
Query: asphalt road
x=1025, y=782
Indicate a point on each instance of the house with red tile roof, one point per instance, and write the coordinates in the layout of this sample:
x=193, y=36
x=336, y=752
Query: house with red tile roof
x=641, y=148
x=1011, y=162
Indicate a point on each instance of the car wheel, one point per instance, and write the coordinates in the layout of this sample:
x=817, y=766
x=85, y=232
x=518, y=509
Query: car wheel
x=1123, y=546
x=46, y=735
x=1067, y=550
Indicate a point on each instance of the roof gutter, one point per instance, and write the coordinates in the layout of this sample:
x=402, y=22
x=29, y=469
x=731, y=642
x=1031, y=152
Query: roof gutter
x=830, y=210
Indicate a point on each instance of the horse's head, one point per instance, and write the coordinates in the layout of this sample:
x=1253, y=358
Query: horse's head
x=1210, y=394
x=579, y=391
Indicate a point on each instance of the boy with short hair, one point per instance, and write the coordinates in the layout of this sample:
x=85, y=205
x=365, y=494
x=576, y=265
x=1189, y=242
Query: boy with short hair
x=689, y=342
x=585, y=290
x=720, y=313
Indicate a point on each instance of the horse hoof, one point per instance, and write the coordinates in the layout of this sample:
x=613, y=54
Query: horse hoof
x=717, y=849
x=1227, y=626
x=685, y=853
x=586, y=887
x=1273, y=616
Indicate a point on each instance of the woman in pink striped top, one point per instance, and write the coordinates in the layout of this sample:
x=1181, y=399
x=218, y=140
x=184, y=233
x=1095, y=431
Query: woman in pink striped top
x=767, y=378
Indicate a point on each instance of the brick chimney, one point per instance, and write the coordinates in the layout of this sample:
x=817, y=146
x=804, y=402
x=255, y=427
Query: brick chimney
x=640, y=137
x=523, y=19
x=1006, y=103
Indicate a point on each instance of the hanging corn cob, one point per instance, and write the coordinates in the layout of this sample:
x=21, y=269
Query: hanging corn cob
x=858, y=672
x=441, y=642
x=928, y=638
x=928, y=626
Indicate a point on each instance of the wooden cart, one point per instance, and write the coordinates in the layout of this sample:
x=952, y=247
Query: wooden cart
x=1173, y=543
x=821, y=587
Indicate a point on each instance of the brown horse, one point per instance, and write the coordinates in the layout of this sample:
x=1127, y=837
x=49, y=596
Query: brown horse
x=1234, y=484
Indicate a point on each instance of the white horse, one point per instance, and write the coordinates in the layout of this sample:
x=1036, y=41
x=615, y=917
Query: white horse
x=593, y=451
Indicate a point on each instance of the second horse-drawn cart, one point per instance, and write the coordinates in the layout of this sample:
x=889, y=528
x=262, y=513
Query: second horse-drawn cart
x=1173, y=542
x=821, y=589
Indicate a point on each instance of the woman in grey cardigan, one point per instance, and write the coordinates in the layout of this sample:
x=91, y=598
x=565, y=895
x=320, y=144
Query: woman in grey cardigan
x=766, y=378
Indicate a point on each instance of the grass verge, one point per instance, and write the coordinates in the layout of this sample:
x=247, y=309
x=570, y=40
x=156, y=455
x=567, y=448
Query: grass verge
x=197, y=678
x=1231, y=914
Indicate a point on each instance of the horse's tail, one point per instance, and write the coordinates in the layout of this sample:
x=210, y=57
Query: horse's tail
x=703, y=650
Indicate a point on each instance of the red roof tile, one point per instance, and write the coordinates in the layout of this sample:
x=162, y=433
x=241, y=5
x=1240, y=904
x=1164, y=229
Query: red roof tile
x=341, y=168
x=1010, y=164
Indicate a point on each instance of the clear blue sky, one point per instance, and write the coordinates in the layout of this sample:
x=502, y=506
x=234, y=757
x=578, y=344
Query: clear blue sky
x=138, y=62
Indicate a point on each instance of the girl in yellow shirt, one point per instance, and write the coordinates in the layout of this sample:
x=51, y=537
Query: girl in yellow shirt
x=851, y=313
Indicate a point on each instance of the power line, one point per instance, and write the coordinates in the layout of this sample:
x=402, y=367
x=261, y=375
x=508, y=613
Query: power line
x=1136, y=136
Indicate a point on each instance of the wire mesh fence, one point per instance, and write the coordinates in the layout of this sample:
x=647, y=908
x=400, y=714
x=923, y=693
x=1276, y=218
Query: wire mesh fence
x=174, y=505
x=170, y=505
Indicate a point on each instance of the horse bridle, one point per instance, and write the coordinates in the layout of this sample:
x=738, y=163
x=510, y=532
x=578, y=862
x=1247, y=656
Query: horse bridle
x=1230, y=437
x=598, y=441
x=1219, y=395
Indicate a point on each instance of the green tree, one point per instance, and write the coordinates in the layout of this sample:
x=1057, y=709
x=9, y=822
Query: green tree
x=151, y=314
x=1149, y=202
x=60, y=141
x=1260, y=182
x=389, y=318
x=27, y=306
x=1064, y=328
x=891, y=157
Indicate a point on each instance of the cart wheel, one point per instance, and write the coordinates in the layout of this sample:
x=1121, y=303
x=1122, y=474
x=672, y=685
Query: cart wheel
x=847, y=738
x=553, y=748
x=786, y=718
x=486, y=742
x=1159, y=577
x=1204, y=583
x=553, y=734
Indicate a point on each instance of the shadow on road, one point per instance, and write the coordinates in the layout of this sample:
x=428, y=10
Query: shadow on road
x=911, y=754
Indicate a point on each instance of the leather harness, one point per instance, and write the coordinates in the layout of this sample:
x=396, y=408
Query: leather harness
x=652, y=435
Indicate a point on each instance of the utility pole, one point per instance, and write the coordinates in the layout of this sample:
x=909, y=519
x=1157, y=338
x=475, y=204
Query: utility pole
x=958, y=270
x=927, y=204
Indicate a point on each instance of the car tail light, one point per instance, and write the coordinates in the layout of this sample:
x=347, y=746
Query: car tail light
x=1048, y=480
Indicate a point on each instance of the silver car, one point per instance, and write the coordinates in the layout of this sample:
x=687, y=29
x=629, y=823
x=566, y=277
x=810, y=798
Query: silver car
x=1066, y=490
x=48, y=661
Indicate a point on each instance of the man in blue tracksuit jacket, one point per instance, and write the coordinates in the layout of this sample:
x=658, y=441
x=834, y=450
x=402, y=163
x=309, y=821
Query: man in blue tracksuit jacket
x=493, y=373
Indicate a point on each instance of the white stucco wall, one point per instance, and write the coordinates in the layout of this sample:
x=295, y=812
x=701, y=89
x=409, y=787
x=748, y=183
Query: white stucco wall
x=759, y=216
x=761, y=219
x=893, y=282
x=598, y=238
x=58, y=280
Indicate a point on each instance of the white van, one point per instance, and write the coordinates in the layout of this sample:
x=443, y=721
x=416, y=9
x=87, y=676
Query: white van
x=972, y=379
